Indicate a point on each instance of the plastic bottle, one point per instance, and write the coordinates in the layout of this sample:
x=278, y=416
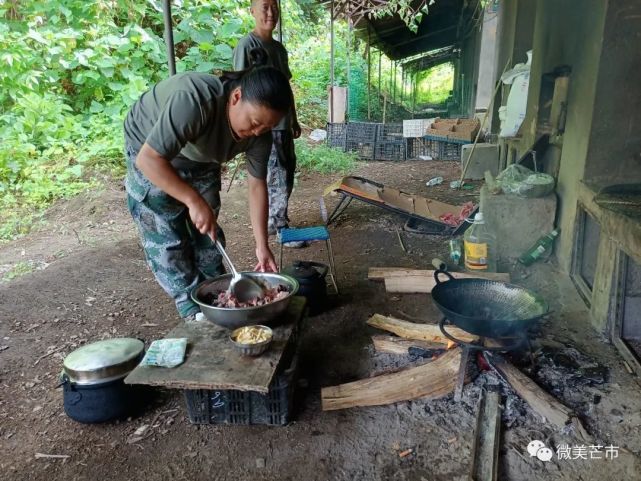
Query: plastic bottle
x=543, y=245
x=455, y=251
x=480, y=246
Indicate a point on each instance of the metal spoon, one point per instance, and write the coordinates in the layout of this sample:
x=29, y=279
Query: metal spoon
x=241, y=286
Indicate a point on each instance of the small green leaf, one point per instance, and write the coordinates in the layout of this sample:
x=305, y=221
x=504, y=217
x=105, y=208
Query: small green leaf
x=224, y=50
x=75, y=170
x=205, y=67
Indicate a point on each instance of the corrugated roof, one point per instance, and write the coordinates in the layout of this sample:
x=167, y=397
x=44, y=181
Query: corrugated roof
x=443, y=27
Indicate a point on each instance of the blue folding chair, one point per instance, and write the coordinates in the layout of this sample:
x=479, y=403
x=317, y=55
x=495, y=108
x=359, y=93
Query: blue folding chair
x=309, y=234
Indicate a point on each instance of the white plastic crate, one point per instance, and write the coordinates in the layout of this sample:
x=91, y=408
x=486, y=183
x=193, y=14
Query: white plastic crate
x=416, y=127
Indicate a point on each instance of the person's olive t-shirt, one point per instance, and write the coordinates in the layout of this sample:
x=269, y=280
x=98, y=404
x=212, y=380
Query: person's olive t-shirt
x=184, y=118
x=276, y=57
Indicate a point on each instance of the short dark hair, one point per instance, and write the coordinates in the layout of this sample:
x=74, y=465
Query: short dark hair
x=260, y=84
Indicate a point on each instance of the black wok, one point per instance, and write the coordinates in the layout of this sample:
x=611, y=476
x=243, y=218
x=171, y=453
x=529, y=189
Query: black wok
x=487, y=308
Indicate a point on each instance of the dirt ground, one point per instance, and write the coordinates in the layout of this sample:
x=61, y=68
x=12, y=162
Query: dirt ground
x=89, y=282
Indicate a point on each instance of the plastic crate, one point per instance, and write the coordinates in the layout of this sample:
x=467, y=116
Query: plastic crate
x=417, y=148
x=389, y=132
x=364, y=150
x=361, y=132
x=245, y=407
x=336, y=135
x=450, y=151
x=390, y=150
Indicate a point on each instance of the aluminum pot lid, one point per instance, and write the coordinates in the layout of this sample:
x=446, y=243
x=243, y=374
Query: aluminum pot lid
x=101, y=355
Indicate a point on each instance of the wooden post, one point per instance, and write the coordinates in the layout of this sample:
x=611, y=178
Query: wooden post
x=414, y=93
x=169, y=37
x=331, y=64
x=349, y=47
x=394, y=83
x=380, y=56
x=402, y=84
x=369, y=78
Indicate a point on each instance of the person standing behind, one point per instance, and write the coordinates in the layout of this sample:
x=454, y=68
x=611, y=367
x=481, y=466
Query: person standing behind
x=282, y=160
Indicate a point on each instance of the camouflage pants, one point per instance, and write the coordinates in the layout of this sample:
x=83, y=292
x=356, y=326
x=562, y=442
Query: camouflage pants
x=280, y=178
x=179, y=256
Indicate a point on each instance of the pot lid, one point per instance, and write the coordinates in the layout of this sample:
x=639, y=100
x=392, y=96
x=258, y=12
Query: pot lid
x=304, y=270
x=103, y=359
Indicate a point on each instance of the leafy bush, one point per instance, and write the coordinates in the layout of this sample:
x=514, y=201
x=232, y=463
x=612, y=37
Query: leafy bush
x=70, y=69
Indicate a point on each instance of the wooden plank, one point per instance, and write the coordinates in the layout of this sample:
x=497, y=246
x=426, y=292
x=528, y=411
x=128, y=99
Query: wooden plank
x=212, y=363
x=397, y=345
x=382, y=273
x=424, y=283
x=540, y=401
x=432, y=380
x=485, y=451
x=421, y=332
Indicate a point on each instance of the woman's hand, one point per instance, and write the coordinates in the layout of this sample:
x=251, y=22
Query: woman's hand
x=296, y=130
x=203, y=217
x=266, y=261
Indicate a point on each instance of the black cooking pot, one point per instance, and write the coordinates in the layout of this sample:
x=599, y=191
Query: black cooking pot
x=311, y=281
x=487, y=308
x=93, y=381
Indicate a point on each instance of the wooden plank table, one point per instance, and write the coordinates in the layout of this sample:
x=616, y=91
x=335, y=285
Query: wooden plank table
x=211, y=362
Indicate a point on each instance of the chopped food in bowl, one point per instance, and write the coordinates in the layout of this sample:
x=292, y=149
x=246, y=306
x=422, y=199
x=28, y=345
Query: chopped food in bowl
x=227, y=300
x=252, y=340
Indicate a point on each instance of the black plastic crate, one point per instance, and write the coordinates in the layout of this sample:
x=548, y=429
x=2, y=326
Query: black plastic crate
x=245, y=407
x=450, y=151
x=422, y=147
x=364, y=150
x=390, y=150
x=336, y=135
x=389, y=132
x=361, y=132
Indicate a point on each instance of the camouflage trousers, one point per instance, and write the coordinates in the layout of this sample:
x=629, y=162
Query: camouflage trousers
x=280, y=178
x=179, y=256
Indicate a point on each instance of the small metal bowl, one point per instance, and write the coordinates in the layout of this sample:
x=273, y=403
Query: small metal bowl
x=255, y=349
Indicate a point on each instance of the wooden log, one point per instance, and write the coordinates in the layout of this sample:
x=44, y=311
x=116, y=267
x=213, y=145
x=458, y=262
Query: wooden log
x=397, y=345
x=485, y=451
x=424, y=283
x=431, y=380
x=421, y=332
x=382, y=273
x=540, y=401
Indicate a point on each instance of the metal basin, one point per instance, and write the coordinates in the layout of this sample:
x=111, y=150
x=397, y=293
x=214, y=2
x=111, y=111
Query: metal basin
x=232, y=318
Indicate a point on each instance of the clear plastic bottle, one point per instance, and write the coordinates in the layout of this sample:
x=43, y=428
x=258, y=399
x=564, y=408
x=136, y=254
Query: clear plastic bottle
x=480, y=246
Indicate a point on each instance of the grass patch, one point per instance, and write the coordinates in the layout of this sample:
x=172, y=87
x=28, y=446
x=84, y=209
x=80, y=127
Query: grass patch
x=324, y=159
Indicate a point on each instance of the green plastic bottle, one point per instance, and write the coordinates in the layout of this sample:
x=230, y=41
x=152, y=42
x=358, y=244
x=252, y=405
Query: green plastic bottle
x=543, y=245
x=480, y=246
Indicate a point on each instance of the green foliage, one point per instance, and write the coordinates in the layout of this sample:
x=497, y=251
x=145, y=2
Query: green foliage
x=323, y=159
x=70, y=70
x=435, y=84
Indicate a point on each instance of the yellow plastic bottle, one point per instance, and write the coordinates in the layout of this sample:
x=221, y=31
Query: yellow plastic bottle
x=480, y=246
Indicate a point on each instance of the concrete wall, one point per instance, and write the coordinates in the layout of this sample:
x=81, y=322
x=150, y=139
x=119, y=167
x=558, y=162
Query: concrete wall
x=467, y=73
x=487, y=60
x=561, y=36
x=615, y=142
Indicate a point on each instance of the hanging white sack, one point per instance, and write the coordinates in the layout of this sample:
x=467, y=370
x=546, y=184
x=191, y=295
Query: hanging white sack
x=513, y=113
